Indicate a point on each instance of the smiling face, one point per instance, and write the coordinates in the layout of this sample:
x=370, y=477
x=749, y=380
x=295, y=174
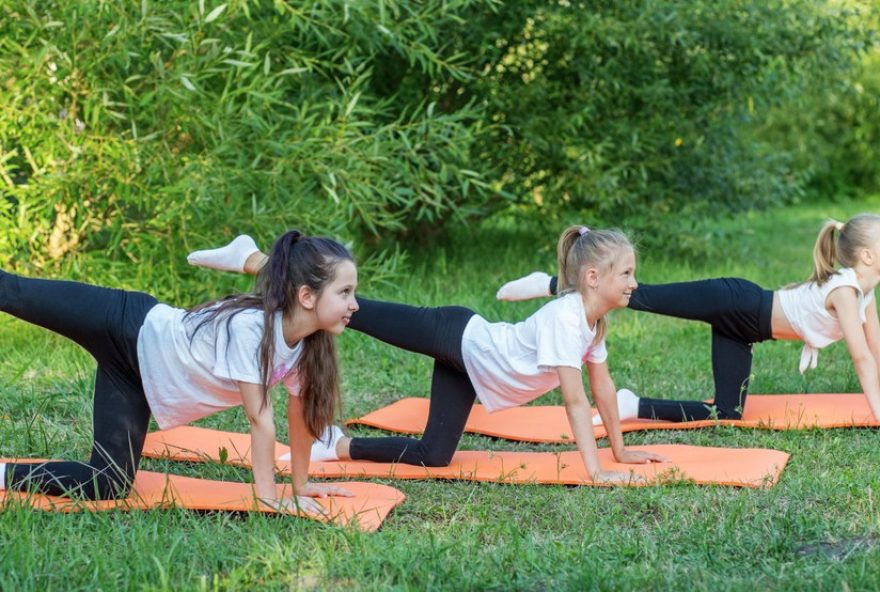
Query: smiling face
x=616, y=284
x=337, y=301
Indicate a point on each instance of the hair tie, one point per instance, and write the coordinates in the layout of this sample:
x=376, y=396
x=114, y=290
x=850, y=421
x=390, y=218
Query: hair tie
x=839, y=226
x=293, y=236
x=583, y=230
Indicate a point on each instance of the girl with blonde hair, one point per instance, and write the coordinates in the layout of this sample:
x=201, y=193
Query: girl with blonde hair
x=834, y=303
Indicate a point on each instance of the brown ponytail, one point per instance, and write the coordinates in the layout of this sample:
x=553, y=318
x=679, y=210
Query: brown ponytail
x=319, y=380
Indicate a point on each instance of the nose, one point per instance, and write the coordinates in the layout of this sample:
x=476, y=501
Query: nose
x=634, y=283
x=354, y=307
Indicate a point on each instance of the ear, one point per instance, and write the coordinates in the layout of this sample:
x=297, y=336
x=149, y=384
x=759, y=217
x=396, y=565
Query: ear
x=867, y=256
x=591, y=277
x=306, y=297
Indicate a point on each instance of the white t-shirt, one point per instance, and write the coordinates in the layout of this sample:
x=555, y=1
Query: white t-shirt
x=185, y=381
x=510, y=365
x=805, y=308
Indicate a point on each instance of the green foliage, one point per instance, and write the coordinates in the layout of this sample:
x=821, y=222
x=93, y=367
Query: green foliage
x=140, y=130
x=834, y=134
x=640, y=113
x=131, y=132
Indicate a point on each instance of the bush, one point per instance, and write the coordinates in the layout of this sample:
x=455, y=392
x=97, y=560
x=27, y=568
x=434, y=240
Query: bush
x=643, y=114
x=834, y=134
x=133, y=132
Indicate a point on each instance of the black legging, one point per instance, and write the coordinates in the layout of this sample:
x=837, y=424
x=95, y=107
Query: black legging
x=739, y=313
x=435, y=332
x=105, y=322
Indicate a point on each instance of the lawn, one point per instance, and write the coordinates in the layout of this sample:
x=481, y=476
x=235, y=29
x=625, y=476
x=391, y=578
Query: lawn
x=817, y=529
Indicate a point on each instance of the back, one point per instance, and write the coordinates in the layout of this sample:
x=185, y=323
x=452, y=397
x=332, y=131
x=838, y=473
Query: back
x=512, y=364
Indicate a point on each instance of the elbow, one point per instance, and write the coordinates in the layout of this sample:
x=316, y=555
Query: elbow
x=262, y=425
x=863, y=360
x=578, y=404
x=864, y=363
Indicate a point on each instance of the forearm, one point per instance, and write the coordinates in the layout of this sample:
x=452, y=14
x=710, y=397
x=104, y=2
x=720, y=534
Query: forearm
x=869, y=377
x=263, y=460
x=606, y=403
x=300, y=444
x=581, y=421
x=299, y=461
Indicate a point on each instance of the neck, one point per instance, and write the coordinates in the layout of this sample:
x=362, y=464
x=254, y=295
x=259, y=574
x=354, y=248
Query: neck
x=867, y=277
x=594, y=308
x=298, y=326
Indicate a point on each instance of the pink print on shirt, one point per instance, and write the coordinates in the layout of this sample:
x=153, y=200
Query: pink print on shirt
x=279, y=373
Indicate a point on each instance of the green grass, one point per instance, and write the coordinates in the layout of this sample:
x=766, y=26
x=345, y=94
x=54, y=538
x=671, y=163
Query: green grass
x=819, y=528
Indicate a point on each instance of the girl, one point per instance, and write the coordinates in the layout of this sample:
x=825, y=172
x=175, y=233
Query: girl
x=832, y=304
x=500, y=364
x=180, y=366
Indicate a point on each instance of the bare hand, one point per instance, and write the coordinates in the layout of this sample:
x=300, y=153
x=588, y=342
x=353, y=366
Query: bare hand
x=639, y=457
x=296, y=505
x=618, y=478
x=322, y=490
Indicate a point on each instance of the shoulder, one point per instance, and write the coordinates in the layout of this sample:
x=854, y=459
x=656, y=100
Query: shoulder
x=567, y=304
x=565, y=315
x=247, y=321
x=845, y=278
x=562, y=310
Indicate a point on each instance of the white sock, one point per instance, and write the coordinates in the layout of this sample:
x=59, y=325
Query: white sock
x=2, y=476
x=323, y=448
x=230, y=257
x=534, y=285
x=627, y=406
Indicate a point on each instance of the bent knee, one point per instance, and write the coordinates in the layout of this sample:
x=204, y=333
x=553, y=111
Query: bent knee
x=729, y=413
x=108, y=488
x=435, y=459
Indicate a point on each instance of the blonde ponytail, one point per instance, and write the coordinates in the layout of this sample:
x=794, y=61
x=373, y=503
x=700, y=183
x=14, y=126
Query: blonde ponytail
x=840, y=243
x=567, y=279
x=824, y=253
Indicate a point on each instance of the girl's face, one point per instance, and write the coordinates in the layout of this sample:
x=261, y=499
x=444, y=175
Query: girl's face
x=616, y=285
x=337, y=303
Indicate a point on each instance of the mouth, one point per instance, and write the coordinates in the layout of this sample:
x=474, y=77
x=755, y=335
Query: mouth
x=346, y=320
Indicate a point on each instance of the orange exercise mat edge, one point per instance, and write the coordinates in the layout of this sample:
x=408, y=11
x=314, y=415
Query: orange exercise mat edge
x=549, y=424
x=739, y=467
x=367, y=510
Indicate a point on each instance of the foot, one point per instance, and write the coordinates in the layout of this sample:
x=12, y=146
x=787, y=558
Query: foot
x=534, y=285
x=231, y=257
x=627, y=406
x=324, y=448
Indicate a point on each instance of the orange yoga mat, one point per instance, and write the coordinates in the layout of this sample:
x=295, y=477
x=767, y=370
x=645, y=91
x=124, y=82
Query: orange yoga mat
x=152, y=491
x=549, y=424
x=740, y=467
